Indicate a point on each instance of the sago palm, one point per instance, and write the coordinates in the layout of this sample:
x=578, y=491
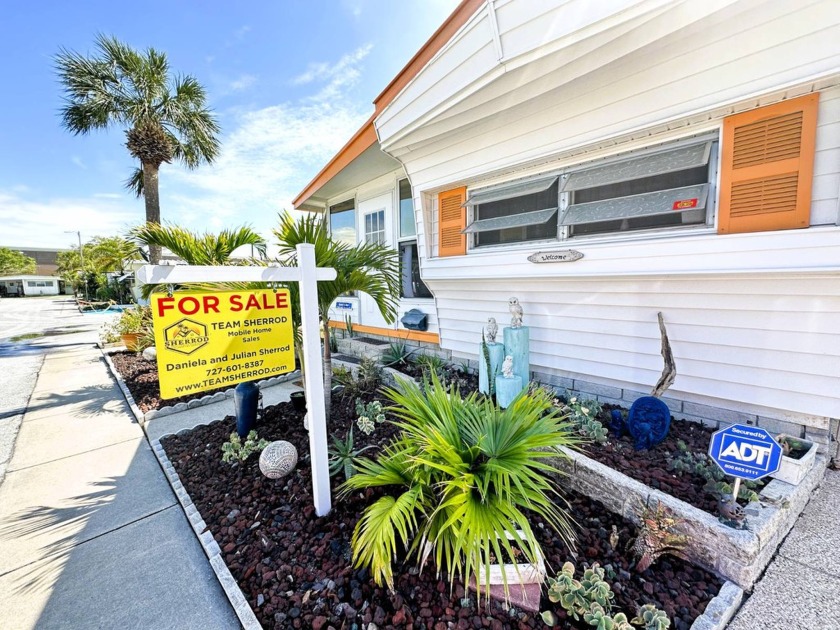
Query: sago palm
x=467, y=475
x=165, y=116
x=367, y=267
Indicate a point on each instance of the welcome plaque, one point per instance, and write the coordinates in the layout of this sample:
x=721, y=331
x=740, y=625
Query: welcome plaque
x=563, y=255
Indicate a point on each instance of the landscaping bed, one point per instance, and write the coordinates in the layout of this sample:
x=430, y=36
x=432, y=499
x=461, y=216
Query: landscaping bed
x=651, y=467
x=295, y=569
x=141, y=378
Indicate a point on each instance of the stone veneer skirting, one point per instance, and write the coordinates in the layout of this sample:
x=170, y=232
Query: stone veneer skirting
x=714, y=417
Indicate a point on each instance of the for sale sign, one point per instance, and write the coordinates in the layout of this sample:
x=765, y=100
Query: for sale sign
x=210, y=340
x=745, y=452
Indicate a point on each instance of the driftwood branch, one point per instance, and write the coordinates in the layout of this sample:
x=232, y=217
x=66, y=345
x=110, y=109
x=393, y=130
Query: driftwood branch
x=669, y=372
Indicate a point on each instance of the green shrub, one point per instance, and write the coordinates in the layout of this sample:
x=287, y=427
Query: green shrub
x=343, y=455
x=397, y=355
x=467, y=472
x=583, y=414
x=651, y=618
x=431, y=365
x=237, y=450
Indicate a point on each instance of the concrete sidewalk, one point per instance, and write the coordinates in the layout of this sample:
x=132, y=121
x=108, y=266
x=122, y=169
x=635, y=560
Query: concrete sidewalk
x=91, y=535
x=801, y=588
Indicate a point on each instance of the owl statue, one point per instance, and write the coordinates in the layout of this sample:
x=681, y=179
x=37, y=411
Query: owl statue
x=491, y=330
x=507, y=367
x=515, y=312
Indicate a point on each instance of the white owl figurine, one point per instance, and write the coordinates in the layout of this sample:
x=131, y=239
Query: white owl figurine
x=507, y=367
x=492, y=329
x=515, y=312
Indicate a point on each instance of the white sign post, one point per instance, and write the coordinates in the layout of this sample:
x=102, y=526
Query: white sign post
x=307, y=275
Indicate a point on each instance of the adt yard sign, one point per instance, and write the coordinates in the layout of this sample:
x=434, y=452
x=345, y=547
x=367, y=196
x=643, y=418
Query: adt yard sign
x=745, y=452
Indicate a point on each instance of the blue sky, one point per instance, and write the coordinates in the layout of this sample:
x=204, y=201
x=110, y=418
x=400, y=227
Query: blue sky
x=290, y=81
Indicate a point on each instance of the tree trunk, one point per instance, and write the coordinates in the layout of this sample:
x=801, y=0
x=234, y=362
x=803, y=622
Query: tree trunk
x=327, y=370
x=152, y=197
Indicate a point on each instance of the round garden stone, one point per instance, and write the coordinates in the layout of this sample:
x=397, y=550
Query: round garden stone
x=278, y=459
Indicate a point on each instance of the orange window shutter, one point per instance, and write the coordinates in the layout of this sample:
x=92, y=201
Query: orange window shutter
x=767, y=166
x=452, y=219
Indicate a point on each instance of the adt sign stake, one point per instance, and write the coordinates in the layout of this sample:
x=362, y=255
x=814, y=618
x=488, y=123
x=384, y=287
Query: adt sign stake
x=745, y=452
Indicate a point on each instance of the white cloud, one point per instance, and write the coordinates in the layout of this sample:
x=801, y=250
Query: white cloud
x=43, y=223
x=242, y=83
x=269, y=156
x=78, y=162
x=342, y=73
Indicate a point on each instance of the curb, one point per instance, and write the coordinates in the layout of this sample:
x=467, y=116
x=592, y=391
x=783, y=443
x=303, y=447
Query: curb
x=721, y=609
x=209, y=399
x=211, y=548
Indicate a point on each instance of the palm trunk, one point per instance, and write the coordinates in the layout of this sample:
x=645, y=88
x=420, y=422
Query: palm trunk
x=152, y=196
x=327, y=370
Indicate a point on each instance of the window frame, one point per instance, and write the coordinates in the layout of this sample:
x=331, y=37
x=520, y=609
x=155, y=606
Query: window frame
x=564, y=237
x=355, y=210
x=401, y=240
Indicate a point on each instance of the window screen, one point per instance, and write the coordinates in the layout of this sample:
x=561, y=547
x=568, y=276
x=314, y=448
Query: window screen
x=527, y=217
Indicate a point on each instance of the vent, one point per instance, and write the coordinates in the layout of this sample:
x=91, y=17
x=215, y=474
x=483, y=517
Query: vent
x=764, y=196
x=768, y=140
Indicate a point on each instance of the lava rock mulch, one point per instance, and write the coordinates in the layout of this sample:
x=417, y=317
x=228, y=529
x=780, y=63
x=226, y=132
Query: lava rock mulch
x=651, y=466
x=296, y=570
x=141, y=378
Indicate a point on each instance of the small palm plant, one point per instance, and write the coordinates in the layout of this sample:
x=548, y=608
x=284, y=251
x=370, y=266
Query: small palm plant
x=468, y=472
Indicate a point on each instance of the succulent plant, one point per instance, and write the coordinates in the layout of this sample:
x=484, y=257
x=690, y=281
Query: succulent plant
x=577, y=597
x=651, y=618
x=658, y=534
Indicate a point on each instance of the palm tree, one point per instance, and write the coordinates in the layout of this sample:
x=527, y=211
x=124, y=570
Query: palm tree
x=198, y=249
x=113, y=253
x=366, y=267
x=165, y=117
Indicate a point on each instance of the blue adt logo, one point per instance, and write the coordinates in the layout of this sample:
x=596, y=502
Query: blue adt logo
x=745, y=452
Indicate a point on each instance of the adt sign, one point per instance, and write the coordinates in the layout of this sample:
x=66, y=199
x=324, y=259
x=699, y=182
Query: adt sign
x=745, y=452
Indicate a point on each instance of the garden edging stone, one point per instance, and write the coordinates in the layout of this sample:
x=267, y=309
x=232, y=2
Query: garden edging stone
x=211, y=548
x=209, y=399
x=739, y=555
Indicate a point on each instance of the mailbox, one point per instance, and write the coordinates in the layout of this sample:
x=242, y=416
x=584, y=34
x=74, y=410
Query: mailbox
x=415, y=319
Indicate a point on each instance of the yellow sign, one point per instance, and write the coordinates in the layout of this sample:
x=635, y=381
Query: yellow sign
x=210, y=340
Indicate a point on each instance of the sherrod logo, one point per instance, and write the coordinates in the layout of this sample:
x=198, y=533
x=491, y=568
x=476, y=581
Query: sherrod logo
x=186, y=336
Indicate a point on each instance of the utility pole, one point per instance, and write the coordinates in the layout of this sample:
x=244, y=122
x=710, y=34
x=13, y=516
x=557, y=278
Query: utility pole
x=81, y=258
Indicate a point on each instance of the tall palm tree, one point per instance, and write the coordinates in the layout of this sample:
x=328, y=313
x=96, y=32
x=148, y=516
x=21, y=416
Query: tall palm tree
x=198, y=249
x=366, y=267
x=164, y=116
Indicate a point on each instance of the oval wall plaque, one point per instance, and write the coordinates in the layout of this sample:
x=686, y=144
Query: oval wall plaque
x=563, y=255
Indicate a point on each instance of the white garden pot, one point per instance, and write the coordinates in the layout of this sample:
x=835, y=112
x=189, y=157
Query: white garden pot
x=792, y=470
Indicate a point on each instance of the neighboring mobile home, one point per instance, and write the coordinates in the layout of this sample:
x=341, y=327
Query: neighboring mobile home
x=690, y=151
x=28, y=285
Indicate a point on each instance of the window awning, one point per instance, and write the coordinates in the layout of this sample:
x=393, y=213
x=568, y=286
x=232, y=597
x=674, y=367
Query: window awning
x=512, y=221
x=645, y=205
x=508, y=192
x=678, y=159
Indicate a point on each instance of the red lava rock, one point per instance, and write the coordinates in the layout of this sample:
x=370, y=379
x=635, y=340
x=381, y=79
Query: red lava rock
x=284, y=509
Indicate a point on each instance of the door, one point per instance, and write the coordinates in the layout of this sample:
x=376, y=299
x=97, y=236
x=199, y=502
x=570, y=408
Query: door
x=375, y=226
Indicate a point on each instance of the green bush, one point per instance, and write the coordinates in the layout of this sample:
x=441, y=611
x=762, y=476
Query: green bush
x=467, y=473
x=237, y=450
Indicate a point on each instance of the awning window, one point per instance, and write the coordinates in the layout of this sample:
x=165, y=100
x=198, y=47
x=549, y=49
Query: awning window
x=511, y=221
x=645, y=205
x=509, y=192
x=679, y=159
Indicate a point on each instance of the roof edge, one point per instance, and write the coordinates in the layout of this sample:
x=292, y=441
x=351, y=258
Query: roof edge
x=362, y=140
x=462, y=13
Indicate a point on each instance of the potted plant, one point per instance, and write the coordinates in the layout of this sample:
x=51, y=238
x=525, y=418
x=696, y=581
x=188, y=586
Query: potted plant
x=797, y=458
x=134, y=327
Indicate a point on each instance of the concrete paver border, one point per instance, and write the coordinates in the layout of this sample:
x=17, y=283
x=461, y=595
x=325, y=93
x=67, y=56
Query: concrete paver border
x=205, y=537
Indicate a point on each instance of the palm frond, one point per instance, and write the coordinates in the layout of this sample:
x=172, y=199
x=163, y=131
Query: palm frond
x=135, y=182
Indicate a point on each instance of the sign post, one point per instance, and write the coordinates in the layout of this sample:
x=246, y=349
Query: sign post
x=745, y=452
x=307, y=275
